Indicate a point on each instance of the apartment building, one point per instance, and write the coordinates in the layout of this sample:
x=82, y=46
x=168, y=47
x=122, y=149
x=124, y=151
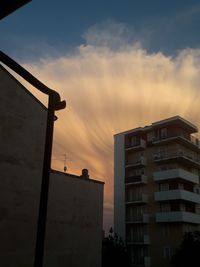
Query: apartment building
x=156, y=189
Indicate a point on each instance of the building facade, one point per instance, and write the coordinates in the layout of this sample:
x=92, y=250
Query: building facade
x=74, y=223
x=75, y=207
x=156, y=194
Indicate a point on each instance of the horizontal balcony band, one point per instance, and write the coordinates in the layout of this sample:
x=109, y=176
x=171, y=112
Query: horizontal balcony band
x=192, y=143
x=142, y=199
x=143, y=240
x=142, y=262
x=177, y=194
x=175, y=173
x=178, y=216
x=140, y=162
x=139, y=179
x=178, y=157
x=144, y=218
x=137, y=146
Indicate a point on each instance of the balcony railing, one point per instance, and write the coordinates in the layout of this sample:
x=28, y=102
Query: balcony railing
x=177, y=194
x=175, y=173
x=143, y=239
x=143, y=198
x=141, y=144
x=143, y=218
x=136, y=179
x=178, y=216
x=178, y=155
x=139, y=162
x=191, y=142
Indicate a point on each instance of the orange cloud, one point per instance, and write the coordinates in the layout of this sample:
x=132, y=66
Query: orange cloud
x=112, y=90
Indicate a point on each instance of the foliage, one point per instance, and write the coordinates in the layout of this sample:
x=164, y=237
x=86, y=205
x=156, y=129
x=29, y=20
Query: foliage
x=114, y=252
x=189, y=251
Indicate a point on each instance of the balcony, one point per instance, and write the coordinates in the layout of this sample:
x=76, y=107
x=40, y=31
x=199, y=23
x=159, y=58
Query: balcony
x=177, y=194
x=175, y=173
x=142, y=240
x=137, y=179
x=141, y=262
x=143, y=198
x=192, y=143
x=138, y=163
x=140, y=145
x=178, y=216
x=143, y=218
x=178, y=156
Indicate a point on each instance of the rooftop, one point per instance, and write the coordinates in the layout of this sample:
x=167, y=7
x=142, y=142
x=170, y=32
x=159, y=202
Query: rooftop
x=178, y=120
x=75, y=176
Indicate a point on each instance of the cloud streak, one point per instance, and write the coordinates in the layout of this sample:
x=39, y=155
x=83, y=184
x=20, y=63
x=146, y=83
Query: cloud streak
x=111, y=88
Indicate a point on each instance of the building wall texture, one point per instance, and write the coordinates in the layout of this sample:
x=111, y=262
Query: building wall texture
x=74, y=228
x=119, y=192
x=22, y=134
x=157, y=190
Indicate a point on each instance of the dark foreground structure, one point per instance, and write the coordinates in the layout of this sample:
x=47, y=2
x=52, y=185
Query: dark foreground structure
x=74, y=216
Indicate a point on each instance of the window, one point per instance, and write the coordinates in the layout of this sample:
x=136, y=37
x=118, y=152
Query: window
x=165, y=230
x=198, y=210
x=139, y=171
x=180, y=186
x=163, y=151
x=164, y=187
x=150, y=136
x=182, y=207
x=133, y=140
x=163, y=167
x=163, y=132
x=167, y=252
x=165, y=207
x=197, y=190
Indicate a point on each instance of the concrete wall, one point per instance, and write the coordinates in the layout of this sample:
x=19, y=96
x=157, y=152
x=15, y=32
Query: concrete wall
x=74, y=230
x=22, y=133
x=119, y=187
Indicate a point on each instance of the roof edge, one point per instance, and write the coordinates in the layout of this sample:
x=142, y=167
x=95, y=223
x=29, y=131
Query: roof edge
x=193, y=128
x=76, y=176
x=22, y=86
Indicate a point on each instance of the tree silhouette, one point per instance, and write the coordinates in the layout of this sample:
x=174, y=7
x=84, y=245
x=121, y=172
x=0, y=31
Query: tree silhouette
x=114, y=252
x=188, y=252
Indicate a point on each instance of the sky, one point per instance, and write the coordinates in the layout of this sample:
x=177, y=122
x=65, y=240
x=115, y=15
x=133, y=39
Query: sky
x=118, y=64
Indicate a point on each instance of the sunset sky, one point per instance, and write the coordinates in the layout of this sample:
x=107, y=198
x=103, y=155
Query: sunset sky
x=118, y=64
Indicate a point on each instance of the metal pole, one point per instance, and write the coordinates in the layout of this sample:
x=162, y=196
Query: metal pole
x=55, y=103
x=41, y=227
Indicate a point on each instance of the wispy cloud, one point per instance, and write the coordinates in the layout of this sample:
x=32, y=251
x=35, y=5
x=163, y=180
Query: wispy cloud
x=111, y=34
x=111, y=89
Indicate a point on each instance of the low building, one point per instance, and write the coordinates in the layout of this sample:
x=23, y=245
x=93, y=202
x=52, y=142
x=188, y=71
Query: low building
x=74, y=228
x=75, y=209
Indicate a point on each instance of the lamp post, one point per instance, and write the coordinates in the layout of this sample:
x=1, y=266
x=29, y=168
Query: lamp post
x=54, y=104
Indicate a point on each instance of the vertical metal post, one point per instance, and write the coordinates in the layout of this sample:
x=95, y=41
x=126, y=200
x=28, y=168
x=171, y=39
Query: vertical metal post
x=41, y=227
x=55, y=103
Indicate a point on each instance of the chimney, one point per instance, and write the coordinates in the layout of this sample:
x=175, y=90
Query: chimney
x=85, y=174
